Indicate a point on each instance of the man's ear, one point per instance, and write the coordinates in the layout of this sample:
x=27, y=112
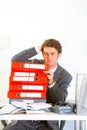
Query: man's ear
x=59, y=55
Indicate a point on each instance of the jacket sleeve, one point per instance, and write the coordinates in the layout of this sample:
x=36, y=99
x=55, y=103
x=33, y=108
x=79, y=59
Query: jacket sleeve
x=58, y=92
x=24, y=55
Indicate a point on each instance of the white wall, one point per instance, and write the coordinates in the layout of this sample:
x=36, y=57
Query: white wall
x=30, y=22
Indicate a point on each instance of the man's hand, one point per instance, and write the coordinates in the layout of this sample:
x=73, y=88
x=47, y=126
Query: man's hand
x=50, y=76
x=40, y=47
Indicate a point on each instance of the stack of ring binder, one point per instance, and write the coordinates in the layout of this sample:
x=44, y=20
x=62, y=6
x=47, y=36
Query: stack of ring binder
x=27, y=81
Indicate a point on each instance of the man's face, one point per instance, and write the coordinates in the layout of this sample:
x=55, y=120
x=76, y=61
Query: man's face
x=51, y=56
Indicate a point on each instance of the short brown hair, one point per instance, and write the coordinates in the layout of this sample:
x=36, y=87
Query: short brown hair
x=52, y=43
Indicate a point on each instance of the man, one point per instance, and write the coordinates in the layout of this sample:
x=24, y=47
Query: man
x=58, y=81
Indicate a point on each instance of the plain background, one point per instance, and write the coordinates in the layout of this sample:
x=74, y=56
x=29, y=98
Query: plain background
x=28, y=23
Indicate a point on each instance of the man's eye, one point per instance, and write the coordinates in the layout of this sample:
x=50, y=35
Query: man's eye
x=45, y=53
x=52, y=53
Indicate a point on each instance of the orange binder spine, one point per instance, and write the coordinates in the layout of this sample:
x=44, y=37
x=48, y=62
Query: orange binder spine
x=24, y=94
x=30, y=73
x=25, y=87
x=28, y=80
x=28, y=66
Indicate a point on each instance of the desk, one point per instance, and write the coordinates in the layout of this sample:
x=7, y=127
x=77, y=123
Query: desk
x=42, y=116
x=79, y=120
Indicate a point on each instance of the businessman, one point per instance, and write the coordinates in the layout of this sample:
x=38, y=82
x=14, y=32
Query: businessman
x=58, y=81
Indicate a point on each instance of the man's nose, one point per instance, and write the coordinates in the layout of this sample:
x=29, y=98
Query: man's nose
x=49, y=56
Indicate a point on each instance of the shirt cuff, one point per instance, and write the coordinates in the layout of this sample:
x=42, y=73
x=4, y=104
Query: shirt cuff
x=51, y=85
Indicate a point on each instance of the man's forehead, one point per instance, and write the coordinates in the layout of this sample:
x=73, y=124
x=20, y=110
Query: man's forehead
x=49, y=49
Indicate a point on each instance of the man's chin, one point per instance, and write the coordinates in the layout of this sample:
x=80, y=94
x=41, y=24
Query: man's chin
x=49, y=64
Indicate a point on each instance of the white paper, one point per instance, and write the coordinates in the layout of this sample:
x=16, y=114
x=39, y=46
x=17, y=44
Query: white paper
x=19, y=107
x=7, y=109
x=40, y=105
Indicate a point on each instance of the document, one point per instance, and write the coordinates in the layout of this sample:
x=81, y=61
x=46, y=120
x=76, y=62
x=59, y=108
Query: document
x=22, y=107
